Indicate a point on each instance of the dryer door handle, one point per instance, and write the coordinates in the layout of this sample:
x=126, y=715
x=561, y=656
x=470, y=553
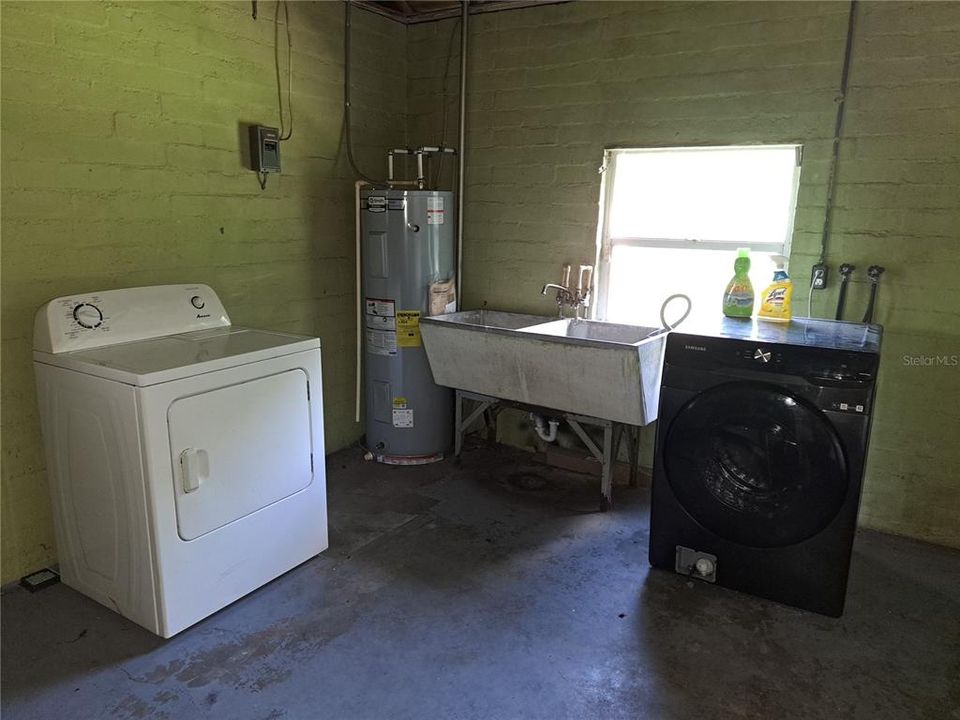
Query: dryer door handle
x=194, y=469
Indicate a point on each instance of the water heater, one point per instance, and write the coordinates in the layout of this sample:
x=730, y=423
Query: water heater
x=408, y=273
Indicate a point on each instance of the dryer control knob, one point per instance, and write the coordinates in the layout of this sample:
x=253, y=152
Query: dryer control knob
x=197, y=302
x=762, y=355
x=87, y=315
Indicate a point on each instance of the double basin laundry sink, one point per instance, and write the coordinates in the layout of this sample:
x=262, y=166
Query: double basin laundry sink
x=589, y=367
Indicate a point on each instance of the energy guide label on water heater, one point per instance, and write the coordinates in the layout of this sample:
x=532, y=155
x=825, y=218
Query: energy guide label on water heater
x=381, y=326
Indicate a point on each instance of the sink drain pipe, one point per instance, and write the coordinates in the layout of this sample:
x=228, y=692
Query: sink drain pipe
x=540, y=424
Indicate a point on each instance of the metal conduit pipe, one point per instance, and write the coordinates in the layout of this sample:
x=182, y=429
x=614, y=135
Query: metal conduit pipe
x=462, y=145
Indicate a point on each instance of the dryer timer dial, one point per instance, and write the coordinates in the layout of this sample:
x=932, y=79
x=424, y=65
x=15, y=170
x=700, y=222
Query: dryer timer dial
x=87, y=315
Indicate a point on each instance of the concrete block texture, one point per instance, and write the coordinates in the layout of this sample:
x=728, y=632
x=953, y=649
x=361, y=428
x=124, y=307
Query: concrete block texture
x=122, y=166
x=551, y=87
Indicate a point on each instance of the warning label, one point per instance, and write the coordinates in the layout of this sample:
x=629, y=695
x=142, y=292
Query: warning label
x=375, y=306
x=403, y=417
x=380, y=342
x=408, y=328
x=434, y=211
x=381, y=323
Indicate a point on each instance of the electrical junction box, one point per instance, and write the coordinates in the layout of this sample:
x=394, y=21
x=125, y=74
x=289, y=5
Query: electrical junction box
x=264, y=149
x=818, y=276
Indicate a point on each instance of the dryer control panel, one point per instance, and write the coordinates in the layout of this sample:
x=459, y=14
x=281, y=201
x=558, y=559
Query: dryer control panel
x=109, y=317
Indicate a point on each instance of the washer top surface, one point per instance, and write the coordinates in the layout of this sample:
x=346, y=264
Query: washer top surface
x=802, y=332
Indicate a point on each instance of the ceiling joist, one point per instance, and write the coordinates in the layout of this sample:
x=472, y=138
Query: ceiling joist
x=411, y=12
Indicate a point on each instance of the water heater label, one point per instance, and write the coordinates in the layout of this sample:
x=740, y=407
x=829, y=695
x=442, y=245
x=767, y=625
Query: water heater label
x=434, y=211
x=381, y=322
x=403, y=417
x=381, y=342
x=408, y=328
x=376, y=306
x=376, y=203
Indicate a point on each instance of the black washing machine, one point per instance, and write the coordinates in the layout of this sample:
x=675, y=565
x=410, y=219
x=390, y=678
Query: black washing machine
x=761, y=443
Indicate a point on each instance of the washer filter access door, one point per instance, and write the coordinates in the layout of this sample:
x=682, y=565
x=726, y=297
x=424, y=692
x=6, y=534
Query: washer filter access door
x=756, y=465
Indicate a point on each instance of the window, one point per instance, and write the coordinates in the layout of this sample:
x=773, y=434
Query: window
x=673, y=218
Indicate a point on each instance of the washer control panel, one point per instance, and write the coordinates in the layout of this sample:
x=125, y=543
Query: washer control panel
x=761, y=355
x=82, y=322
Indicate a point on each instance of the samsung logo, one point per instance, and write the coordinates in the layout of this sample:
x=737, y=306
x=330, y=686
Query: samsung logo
x=698, y=348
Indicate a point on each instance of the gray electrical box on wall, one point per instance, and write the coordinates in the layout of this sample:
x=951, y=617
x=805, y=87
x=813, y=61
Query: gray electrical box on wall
x=264, y=149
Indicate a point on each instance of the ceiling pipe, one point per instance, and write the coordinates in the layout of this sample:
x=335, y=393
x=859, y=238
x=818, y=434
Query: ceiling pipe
x=462, y=146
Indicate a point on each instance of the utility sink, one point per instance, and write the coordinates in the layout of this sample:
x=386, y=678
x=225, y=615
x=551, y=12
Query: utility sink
x=587, y=367
x=596, y=330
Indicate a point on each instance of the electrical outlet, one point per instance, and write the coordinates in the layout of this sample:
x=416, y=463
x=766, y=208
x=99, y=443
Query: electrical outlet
x=818, y=276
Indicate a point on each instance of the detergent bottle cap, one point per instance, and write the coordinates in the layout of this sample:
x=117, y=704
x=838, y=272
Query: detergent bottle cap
x=743, y=252
x=779, y=260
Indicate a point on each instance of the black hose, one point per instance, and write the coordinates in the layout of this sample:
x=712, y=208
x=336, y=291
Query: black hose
x=845, y=270
x=874, y=271
x=868, y=315
x=842, y=300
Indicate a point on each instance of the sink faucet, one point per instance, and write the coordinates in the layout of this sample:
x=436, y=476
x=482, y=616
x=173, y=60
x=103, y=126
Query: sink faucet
x=564, y=296
x=578, y=298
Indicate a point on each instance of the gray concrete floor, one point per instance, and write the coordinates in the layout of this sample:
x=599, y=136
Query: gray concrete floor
x=451, y=593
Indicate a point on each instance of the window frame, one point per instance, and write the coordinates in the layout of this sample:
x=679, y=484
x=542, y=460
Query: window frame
x=606, y=242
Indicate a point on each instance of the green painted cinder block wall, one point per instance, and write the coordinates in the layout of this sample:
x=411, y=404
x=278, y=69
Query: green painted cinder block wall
x=121, y=167
x=550, y=87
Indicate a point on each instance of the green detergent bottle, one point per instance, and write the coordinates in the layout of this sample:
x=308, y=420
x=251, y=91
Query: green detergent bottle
x=738, y=298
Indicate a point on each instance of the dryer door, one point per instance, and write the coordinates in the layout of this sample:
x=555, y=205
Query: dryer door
x=238, y=449
x=755, y=464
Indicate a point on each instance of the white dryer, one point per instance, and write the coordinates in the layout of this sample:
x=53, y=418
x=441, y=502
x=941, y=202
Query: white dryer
x=184, y=455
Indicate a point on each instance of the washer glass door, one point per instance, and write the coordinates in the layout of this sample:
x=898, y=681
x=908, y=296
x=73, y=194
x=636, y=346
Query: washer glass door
x=756, y=465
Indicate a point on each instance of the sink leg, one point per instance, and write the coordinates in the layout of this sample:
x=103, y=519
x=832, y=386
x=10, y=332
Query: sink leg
x=458, y=426
x=606, y=474
x=633, y=447
x=605, y=456
x=618, y=430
